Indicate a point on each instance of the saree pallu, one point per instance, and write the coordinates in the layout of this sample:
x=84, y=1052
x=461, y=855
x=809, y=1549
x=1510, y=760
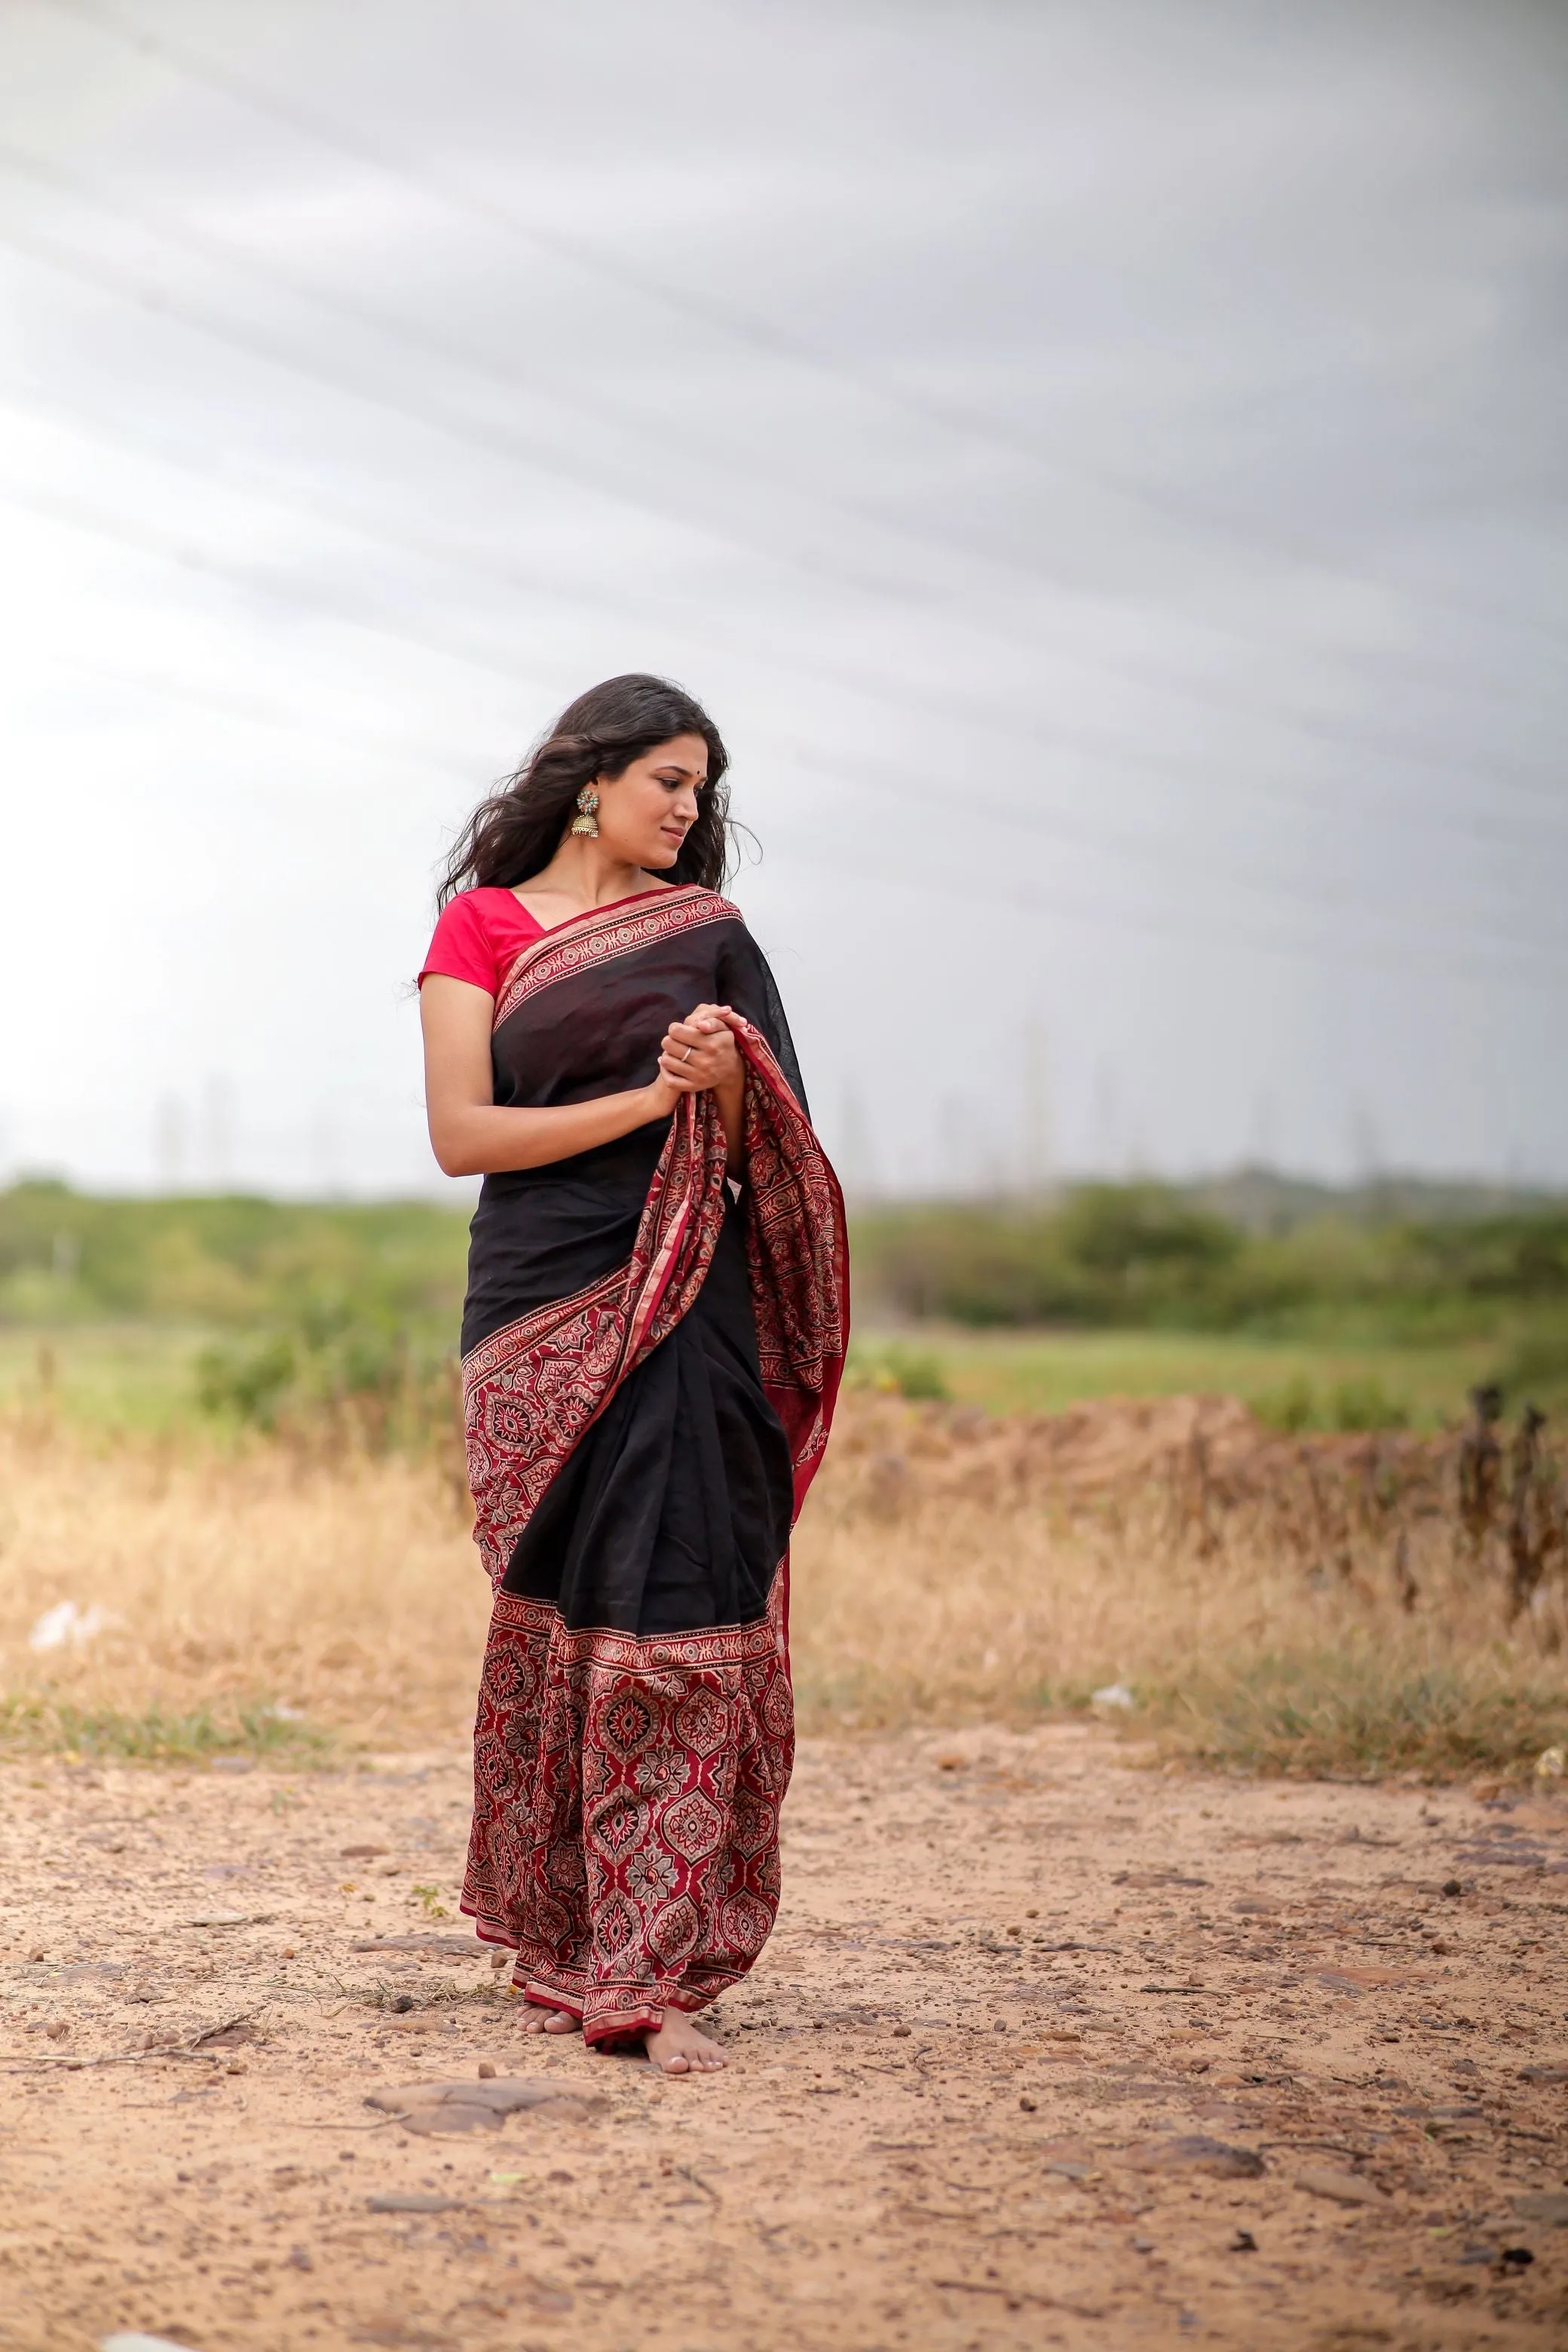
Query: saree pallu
x=650, y=1359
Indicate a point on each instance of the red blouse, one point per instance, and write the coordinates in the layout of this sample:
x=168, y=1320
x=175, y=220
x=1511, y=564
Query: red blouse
x=478, y=938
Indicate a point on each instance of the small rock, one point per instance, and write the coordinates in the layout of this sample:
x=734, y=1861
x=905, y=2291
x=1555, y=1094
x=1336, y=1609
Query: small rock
x=1452, y=1887
x=232, y=1764
x=56, y=2029
x=140, y=2344
x=237, y=2066
x=1244, y=2242
x=36, y=1953
x=1194, y=2152
x=1518, y=2258
x=362, y=1853
x=1028, y=2105
x=442, y=2107
x=1549, y=1764
x=1339, y=2188
x=300, y=2259
x=1547, y=2206
x=486, y=2072
x=402, y=2004
x=288, y=1953
x=413, y=2203
x=901, y=2033
x=1143, y=2245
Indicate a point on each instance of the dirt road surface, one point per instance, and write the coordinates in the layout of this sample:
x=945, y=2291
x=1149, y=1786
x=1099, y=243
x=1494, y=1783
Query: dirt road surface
x=1047, y=2051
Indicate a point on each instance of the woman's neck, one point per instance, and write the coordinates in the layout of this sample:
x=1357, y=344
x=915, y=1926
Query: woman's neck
x=583, y=873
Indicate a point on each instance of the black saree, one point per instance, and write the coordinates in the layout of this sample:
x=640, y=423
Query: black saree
x=651, y=1363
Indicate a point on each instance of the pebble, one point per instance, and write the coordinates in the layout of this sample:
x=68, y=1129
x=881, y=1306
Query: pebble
x=1194, y=2152
x=141, y=2343
x=1547, y=2206
x=1339, y=2188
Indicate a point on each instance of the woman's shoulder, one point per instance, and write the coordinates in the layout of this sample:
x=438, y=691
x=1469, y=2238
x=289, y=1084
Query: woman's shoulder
x=477, y=933
x=711, y=903
x=489, y=911
x=490, y=901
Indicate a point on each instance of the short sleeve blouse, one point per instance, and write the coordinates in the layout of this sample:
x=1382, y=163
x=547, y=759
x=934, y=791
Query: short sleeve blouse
x=478, y=937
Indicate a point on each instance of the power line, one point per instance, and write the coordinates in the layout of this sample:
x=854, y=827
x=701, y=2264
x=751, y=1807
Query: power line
x=898, y=777
x=1079, y=907
x=764, y=335
x=466, y=432
x=180, y=455
x=587, y=398
x=82, y=515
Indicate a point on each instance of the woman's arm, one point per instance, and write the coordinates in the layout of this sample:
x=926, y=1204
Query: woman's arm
x=471, y=1135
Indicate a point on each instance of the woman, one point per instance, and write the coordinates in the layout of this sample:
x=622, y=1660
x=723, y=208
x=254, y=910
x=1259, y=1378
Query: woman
x=652, y=1340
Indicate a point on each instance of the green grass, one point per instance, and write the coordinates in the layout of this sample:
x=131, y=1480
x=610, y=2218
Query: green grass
x=144, y=1377
x=137, y=1377
x=34, y=1724
x=1046, y=1373
x=1342, y=1716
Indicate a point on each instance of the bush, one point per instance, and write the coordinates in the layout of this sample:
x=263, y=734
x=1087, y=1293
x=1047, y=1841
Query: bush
x=1149, y=1256
x=1363, y=1404
x=904, y=1371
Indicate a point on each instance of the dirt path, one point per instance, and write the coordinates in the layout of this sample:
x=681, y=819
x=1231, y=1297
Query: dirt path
x=1039, y=2055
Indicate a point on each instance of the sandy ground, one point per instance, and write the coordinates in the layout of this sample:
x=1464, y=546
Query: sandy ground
x=1043, y=2052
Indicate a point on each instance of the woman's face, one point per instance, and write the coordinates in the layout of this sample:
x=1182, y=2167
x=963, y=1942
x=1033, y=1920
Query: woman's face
x=646, y=813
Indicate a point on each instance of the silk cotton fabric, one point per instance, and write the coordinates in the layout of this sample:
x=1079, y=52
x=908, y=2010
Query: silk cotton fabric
x=651, y=1355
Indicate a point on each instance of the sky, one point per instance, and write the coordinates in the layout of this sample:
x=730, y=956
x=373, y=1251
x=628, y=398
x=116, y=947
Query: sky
x=1102, y=465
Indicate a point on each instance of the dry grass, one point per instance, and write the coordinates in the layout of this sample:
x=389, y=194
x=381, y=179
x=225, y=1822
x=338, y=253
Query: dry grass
x=350, y=1596
x=948, y=1568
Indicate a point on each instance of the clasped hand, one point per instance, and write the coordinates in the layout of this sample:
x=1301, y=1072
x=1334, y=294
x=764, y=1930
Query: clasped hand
x=699, y=1052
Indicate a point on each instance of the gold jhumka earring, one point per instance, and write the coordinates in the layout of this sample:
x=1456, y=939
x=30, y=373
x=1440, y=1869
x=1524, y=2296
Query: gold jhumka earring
x=585, y=822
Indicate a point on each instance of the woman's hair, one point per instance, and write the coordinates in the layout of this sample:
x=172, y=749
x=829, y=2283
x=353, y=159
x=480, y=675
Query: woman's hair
x=518, y=830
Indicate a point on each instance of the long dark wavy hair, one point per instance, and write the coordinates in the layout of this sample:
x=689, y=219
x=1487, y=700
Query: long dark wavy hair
x=517, y=831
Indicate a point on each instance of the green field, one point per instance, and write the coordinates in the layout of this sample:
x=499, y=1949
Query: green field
x=152, y=1314
x=129, y=1376
x=1048, y=1371
x=146, y=1376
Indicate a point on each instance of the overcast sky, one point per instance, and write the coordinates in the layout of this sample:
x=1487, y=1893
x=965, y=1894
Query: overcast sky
x=1103, y=465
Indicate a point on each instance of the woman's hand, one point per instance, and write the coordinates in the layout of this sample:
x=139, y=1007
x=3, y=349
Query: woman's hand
x=700, y=1055
x=700, y=1052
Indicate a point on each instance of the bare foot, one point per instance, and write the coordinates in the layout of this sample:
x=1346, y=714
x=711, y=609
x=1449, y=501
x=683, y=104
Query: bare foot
x=677, y=2048
x=537, y=2019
